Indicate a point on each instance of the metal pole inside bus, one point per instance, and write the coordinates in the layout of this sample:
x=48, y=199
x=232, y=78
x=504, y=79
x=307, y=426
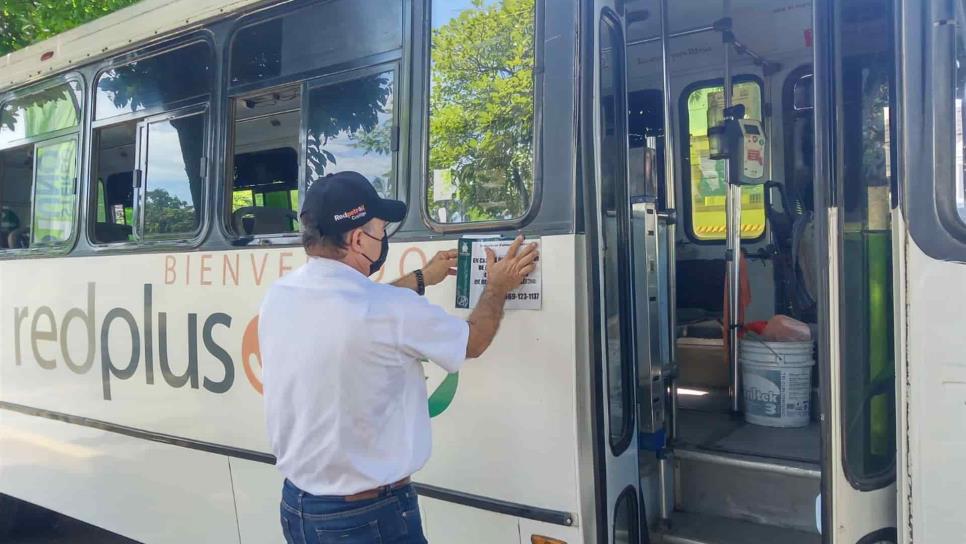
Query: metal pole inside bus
x=732, y=255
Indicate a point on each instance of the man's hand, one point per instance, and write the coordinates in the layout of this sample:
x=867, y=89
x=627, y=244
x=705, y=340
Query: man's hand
x=441, y=265
x=501, y=277
x=509, y=272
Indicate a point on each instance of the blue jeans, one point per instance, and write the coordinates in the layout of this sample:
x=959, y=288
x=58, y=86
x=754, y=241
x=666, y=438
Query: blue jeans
x=391, y=518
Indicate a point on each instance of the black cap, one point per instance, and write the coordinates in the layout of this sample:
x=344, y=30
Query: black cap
x=346, y=200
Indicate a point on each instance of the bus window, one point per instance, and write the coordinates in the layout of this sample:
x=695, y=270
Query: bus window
x=161, y=82
x=265, y=172
x=114, y=167
x=54, y=191
x=40, y=114
x=172, y=182
x=351, y=127
x=481, y=111
x=38, y=160
x=149, y=165
x=708, y=193
x=314, y=37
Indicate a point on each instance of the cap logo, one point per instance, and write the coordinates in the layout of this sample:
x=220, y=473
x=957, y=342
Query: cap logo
x=354, y=213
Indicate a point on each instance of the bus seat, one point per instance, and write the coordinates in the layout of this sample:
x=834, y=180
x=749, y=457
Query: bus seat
x=19, y=238
x=111, y=232
x=700, y=284
x=267, y=220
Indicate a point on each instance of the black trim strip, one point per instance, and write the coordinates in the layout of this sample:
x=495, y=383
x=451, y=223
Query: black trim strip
x=189, y=443
x=495, y=505
x=555, y=517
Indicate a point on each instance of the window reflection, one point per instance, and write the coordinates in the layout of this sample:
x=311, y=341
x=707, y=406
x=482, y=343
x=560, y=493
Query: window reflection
x=173, y=181
x=350, y=127
x=481, y=110
x=154, y=82
x=50, y=110
x=54, y=192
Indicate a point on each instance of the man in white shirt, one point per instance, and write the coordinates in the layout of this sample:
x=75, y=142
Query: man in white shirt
x=345, y=394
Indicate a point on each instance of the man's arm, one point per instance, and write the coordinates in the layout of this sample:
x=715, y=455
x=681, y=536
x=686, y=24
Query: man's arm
x=502, y=277
x=440, y=266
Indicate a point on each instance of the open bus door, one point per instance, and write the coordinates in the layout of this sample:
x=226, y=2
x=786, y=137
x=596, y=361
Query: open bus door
x=932, y=253
x=855, y=180
x=619, y=505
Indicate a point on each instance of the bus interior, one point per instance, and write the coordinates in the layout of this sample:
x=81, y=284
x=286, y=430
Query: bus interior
x=265, y=170
x=734, y=481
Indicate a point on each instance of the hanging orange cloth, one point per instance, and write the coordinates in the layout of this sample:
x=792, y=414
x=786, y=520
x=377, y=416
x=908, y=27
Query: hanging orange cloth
x=744, y=300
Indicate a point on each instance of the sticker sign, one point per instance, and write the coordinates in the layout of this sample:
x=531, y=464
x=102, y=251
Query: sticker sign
x=471, y=275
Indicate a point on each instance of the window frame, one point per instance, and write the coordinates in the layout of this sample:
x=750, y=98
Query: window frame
x=684, y=155
x=79, y=134
x=539, y=72
x=180, y=108
x=142, y=150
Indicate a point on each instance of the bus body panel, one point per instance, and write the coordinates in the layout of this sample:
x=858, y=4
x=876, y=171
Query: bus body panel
x=139, y=23
x=72, y=327
x=145, y=490
x=934, y=449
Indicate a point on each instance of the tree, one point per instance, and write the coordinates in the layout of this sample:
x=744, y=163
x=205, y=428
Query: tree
x=481, y=107
x=168, y=214
x=23, y=22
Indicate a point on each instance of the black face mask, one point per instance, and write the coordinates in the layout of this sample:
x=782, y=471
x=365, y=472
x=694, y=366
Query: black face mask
x=375, y=265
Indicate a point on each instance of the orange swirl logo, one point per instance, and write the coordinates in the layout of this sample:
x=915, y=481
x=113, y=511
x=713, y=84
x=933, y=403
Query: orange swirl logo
x=250, y=351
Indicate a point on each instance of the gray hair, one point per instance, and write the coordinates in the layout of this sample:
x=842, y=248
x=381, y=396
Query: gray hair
x=330, y=246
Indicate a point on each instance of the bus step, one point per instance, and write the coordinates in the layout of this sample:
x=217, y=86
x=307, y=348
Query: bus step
x=759, y=490
x=689, y=528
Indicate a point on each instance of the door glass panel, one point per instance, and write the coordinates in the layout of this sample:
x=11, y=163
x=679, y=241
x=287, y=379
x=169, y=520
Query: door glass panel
x=173, y=182
x=627, y=527
x=54, y=192
x=865, y=175
x=614, y=214
x=960, y=195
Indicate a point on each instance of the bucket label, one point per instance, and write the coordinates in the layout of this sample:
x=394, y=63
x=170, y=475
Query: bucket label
x=797, y=388
x=762, y=393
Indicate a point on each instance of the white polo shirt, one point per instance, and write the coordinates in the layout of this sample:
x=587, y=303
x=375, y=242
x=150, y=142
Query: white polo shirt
x=345, y=394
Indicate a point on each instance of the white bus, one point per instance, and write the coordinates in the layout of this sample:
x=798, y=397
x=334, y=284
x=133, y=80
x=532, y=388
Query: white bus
x=151, y=164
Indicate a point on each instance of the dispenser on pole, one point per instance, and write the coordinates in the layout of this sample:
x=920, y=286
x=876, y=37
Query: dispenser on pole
x=743, y=144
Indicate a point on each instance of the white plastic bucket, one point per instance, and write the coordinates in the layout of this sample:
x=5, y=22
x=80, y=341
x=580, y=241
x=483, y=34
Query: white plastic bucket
x=777, y=382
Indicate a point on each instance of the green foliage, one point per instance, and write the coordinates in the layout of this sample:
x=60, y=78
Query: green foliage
x=167, y=214
x=23, y=22
x=481, y=107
